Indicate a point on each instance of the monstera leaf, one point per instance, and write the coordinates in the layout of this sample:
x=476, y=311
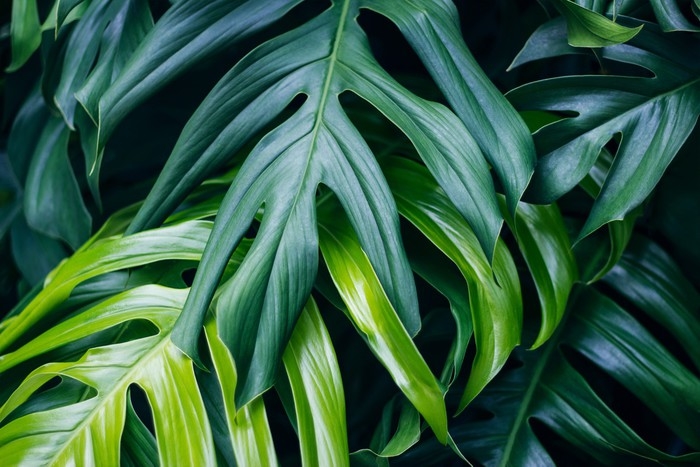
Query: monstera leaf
x=316, y=145
x=552, y=388
x=648, y=118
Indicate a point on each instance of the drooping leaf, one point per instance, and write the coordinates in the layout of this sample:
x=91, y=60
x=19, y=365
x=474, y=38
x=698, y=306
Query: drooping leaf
x=544, y=242
x=654, y=116
x=106, y=25
x=89, y=431
x=433, y=266
x=65, y=9
x=388, y=440
x=587, y=28
x=598, y=253
x=494, y=294
x=249, y=429
x=127, y=24
x=314, y=377
x=374, y=317
x=53, y=203
x=316, y=145
x=25, y=32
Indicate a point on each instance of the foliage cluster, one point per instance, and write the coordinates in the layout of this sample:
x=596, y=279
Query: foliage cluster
x=360, y=231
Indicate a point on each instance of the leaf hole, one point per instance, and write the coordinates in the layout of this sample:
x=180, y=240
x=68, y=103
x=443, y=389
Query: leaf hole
x=142, y=407
x=188, y=276
x=385, y=39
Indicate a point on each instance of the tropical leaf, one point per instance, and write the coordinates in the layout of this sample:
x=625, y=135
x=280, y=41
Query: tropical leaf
x=248, y=428
x=25, y=32
x=549, y=385
x=184, y=241
x=669, y=13
x=544, y=242
x=314, y=377
x=374, y=317
x=653, y=115
x=316, y=145
x=587, y=28
x=494, y=294
x=89, y=431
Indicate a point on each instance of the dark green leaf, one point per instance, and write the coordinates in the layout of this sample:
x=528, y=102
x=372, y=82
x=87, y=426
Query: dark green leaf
x=25, y=32
x=432, y=28
x=52, y=200
x=654, y=116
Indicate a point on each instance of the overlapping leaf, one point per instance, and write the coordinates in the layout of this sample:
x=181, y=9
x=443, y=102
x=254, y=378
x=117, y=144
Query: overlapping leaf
x=89, y=431
x=248, y=428
x=183, y=241
x=316, y=145
x=494, y=294
x=669, y=13
x=588, y=28
x=319, y=402
x=547, y=387
x=653, y=115
x=375, y=318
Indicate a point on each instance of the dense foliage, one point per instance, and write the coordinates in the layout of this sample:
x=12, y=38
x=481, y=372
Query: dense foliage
x=361, y=231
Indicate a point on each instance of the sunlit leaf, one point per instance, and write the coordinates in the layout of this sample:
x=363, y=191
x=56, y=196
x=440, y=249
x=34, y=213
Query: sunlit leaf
x=374, y=317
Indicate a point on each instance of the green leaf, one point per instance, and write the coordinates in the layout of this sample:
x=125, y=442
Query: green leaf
x=101, y=30
x=649, y=278
x=374, y=317
x=432, y=28
x=35, y=254
x=544, y=242
x=389, y=440
x=138, y=444
x=187, y=34
x=25, y=32
x=587, y=28
x=249, y=429
x=65, y=10
x=494, y=294
x=670, y=16
x=314, y=377
x=184, y=241
x=545, y=385
x=654, y=116
x=548, y=40
x=436, y=269
x=51, y=177
x=89, y=431
x=598, y=253
x=316, y=145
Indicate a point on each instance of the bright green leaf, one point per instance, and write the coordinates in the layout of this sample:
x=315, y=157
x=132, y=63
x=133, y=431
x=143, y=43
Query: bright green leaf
x=587, y=28
x=374, y=317
x=314, y=377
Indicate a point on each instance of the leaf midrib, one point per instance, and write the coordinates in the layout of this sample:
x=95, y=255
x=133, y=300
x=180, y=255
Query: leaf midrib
x=320, y=111
x=130, y=376
x=529, y=394
x=624, y=115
